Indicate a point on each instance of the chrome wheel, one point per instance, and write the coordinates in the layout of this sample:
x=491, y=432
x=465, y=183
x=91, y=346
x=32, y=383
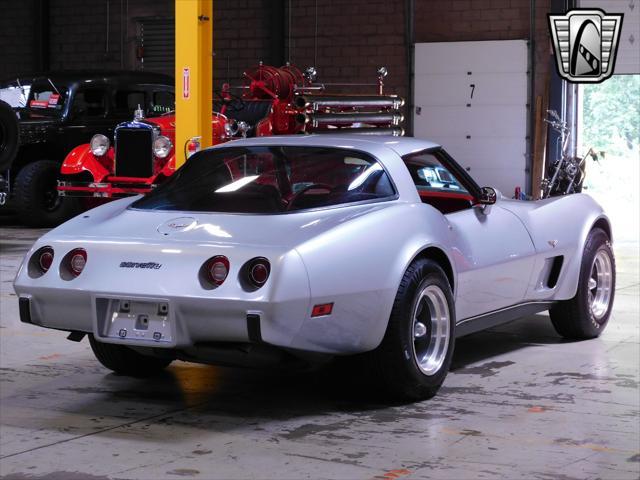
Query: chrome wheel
x=431, y=329
x=600, y=283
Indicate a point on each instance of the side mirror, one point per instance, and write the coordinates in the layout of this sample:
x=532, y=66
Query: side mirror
x=488, y=197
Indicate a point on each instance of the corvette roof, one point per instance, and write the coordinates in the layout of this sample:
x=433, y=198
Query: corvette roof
x=401, y=145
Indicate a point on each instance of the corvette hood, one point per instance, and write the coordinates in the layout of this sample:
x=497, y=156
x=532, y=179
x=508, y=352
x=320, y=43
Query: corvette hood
x=114, y=222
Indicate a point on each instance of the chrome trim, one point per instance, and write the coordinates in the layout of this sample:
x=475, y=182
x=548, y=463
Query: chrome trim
x=505, y=309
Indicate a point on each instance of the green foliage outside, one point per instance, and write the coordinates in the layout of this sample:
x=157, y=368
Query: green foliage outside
x=611, y=115
x=611, y=123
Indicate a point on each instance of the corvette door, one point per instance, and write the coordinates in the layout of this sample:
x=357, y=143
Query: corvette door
x=494, y=257
x=492, y=250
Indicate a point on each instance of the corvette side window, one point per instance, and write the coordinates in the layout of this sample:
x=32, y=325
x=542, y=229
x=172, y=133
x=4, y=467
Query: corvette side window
x=429, y=174
x=436, y=185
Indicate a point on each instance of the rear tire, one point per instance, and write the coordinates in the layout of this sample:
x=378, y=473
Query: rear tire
x=415, y=354
x=125, y=361
x=586, y=315
x=37, y=199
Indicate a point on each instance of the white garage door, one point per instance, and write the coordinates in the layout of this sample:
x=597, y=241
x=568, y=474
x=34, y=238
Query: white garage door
x=471, y=97
x=628, y=59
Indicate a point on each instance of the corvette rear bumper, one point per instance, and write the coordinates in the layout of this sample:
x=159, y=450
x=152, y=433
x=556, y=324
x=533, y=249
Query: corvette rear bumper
x=253, y=322
x=194, y=321
x=189, y=320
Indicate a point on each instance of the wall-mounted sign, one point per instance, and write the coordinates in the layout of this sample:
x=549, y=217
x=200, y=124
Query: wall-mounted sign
x=186, y=83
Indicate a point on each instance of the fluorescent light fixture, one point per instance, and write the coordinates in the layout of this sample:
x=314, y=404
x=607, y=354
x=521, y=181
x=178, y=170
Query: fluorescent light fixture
x=237, y=185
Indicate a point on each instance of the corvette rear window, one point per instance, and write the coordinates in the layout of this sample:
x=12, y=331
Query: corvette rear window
x=274, y=179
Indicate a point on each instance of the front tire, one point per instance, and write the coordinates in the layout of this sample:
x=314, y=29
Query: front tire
x=125, y=361
x=586, y=315
x=415, y=354
x=37, y=199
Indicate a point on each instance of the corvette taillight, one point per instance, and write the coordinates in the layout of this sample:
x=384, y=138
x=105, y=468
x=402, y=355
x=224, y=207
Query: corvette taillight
x=40, y=262
x=45, y=259
x=256, y=272
x=217, y=269
x=77, y=260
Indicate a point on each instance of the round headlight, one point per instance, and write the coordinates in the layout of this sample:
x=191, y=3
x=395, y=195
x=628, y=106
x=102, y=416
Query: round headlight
x=99, y=145
x=162, y=147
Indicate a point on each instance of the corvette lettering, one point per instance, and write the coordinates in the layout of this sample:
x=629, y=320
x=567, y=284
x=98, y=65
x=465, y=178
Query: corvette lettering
x=147, y=265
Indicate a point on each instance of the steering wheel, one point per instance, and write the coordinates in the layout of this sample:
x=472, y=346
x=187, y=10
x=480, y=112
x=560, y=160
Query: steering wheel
x=296, y=196
x=235, y=103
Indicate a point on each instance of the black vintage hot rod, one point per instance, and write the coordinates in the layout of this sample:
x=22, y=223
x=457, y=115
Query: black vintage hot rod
x=44, y=116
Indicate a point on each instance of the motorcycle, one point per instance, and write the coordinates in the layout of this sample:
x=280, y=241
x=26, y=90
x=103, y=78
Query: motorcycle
x=565, y=175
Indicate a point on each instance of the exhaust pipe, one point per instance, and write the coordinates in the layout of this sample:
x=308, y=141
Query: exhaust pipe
x=320, y=119
x=351, y=101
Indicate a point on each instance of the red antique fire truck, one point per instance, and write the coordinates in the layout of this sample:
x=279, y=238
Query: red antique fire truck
x=273, y=101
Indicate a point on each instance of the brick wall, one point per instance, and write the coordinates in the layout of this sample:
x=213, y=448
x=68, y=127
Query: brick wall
x=241, y=37
x=82, y=37
x=355, y=38
x=16, y=41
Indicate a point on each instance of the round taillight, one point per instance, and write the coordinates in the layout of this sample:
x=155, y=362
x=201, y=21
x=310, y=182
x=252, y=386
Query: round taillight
x=257, y=271
x=40, y=262
x=218, y=269
x=46, y=259
x=77, y=261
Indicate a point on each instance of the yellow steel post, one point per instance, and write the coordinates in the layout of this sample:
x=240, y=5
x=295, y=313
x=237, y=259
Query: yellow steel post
x=194, y=55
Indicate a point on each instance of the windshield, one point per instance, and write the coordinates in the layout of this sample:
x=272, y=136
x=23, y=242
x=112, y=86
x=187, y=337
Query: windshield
x=46, y=100
x=274, y=179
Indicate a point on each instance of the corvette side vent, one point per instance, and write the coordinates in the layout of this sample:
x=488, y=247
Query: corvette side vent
x=554, y=272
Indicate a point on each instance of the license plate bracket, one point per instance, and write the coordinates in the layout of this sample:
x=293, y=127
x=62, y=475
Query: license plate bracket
x=135, y=320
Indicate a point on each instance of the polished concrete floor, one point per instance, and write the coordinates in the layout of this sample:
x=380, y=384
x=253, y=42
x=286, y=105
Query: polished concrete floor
x=519, y=403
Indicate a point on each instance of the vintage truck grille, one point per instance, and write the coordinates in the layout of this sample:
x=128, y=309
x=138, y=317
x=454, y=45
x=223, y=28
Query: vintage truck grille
x=133, y=152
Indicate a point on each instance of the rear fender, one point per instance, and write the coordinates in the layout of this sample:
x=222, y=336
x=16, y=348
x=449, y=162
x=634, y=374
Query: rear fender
x=358, y=266
x=81, y=159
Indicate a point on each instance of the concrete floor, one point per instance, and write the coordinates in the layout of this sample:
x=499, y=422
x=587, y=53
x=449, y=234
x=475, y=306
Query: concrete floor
x=519, y=403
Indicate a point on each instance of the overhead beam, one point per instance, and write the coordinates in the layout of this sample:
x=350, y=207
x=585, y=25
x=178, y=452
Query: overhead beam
x=193, y=74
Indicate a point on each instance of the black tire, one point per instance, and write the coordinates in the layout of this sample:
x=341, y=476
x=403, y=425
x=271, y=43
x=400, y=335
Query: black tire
x=37, y=199
x=574, y=318
x=125, y=361
x=394, y=361
x=9, y=136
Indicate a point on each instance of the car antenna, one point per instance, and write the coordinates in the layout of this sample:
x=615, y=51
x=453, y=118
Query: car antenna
x=21, y=90
x=54, y=87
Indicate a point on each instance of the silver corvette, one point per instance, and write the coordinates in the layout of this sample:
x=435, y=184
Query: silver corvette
x=305, y=247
